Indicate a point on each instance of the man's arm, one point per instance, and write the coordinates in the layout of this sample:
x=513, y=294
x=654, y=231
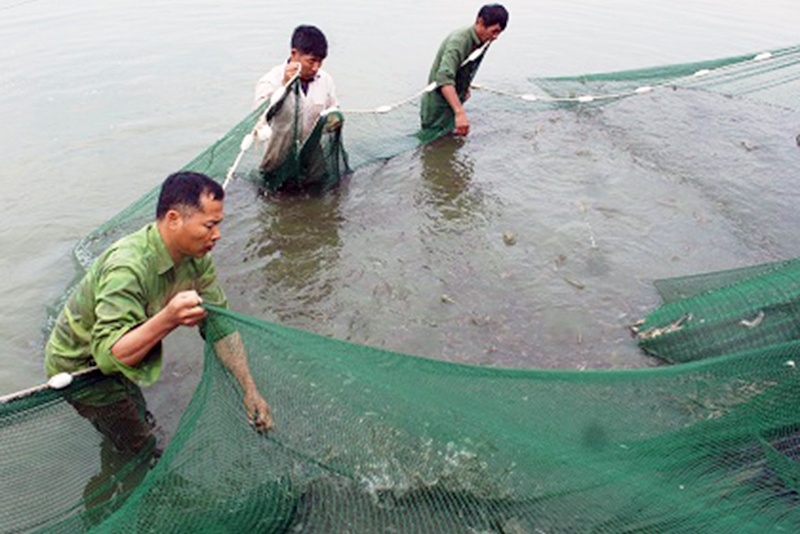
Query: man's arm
x=230, y=350
x=451, y=96
x=452, y=57
x=183, y=310
x=269, y=83
x=123, y=337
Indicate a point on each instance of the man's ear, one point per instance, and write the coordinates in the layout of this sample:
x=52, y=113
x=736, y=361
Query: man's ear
x=172, y=217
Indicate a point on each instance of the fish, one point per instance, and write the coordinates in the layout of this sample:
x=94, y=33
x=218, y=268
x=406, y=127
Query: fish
x=752, y=323
x=654, y=332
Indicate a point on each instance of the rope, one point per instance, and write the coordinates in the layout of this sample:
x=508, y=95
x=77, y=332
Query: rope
x=387, y=108
x=58, y=381
x=613, y=96
x=477, y=53
x=247, y=141
x=22, y=3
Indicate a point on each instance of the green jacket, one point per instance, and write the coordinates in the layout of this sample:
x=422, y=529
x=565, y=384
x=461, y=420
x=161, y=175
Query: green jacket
x=435, y=112
x=129, y=283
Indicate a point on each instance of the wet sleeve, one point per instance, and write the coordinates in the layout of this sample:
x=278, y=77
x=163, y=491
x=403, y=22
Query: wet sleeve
x=119, y=307
x=211, y=293
x=448, y=65
x=265, y=87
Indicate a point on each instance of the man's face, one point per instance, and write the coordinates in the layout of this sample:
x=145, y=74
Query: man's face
x=309, y=64
x=487, y=33
x=197, y=231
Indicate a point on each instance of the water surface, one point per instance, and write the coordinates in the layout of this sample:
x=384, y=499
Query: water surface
x=99, y=103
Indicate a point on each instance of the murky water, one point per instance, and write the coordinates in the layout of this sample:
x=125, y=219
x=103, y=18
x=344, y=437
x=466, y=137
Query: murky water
x=100, y=103
x=524, y=248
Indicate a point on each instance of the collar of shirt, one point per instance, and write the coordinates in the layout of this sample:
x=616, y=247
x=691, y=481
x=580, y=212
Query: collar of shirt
x=156, y=243
x=475, y=39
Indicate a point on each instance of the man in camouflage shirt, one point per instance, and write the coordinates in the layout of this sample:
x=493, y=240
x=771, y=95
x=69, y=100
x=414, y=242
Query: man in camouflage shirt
x=442, y=108
x=139, y=290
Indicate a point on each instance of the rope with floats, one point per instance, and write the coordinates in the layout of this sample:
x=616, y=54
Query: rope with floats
x=249, y=139
x=587, y=98
x=476, y=54
x=581, y=99
x=280, y=94
x=63, y=380
x=261, y=129
x=57, y=381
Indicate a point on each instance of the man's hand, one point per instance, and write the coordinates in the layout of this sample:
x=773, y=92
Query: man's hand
x=451, y=97
x=333, y=123
x=258, y=413
x=290, y=70
x=185, y=308
x=462, y=123
x=230, y=350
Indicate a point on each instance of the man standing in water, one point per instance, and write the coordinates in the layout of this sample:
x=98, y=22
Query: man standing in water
x=317, y=93
x=139, y=290
x=309, y=48
x=442, y=108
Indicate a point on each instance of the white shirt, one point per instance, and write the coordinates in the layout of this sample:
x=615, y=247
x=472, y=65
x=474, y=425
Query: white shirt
x=321, y=95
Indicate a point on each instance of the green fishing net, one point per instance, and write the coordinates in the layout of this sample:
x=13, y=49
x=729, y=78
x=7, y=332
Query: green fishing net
x=720, y=313
x=293, y=160
x=369, y=440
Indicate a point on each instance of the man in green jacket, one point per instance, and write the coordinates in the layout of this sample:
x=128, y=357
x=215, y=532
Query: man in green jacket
x=442, y=108
x=139, y=290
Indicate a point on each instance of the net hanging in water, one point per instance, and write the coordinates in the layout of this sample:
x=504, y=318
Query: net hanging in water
x=373, y=441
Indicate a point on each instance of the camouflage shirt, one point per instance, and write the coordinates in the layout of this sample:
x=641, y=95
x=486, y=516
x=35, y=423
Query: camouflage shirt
x=447, y=69
x=129, y=283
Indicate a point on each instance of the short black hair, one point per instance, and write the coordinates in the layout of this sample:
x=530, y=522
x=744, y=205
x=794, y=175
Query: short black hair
x=310, y=40
x=494, y=14
x=184, y=189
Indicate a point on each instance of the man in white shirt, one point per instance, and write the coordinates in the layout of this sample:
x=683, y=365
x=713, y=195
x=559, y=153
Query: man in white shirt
x=317, y=93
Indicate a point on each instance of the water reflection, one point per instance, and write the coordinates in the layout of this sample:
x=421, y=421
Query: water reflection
x=498, y=251
x=297, y=246
x=129, y=447
x=448, y=195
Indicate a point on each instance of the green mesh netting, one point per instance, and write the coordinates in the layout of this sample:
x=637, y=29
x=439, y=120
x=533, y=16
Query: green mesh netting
x=720, y=313
x=769, y=77
x=370, y=137
x=291, y=161
x=372, y=441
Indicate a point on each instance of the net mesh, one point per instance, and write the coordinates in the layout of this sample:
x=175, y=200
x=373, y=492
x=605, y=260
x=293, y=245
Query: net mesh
x=368, y=440
x=721, y=313
x=293, y=161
